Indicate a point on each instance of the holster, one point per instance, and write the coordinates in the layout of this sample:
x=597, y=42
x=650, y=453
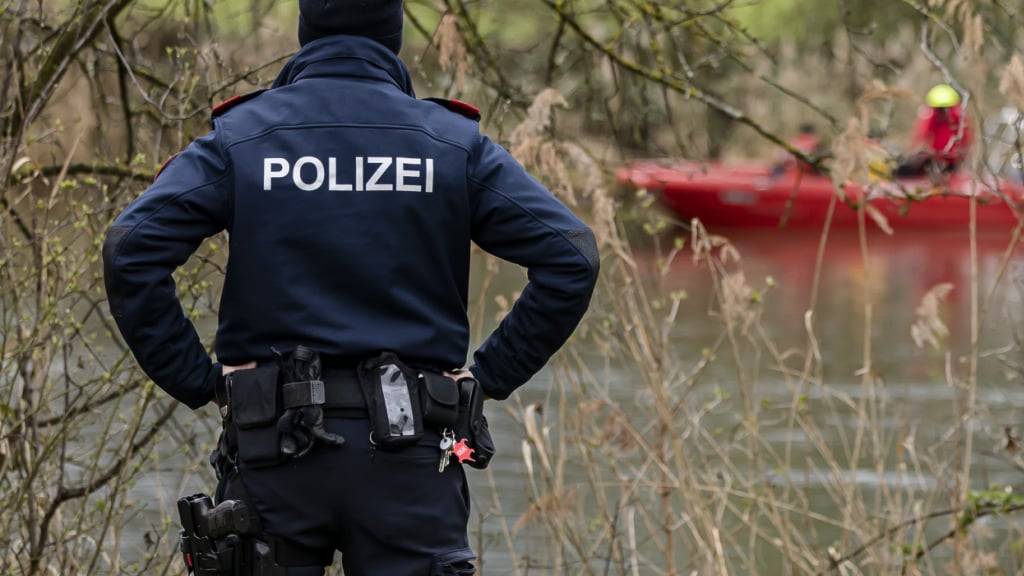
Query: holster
x=472, y=424
x=227, y=540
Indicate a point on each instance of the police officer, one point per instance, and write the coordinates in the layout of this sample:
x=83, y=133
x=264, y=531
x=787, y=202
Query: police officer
x=350, y=207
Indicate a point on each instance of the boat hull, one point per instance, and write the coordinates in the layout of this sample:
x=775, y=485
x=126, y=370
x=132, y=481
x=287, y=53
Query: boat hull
x=752, y=195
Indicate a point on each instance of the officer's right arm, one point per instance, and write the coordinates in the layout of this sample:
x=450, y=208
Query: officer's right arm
x=188, y=202
x=517, y=219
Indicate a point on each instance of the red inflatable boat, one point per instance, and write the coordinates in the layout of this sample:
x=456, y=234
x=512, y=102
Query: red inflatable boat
x=756, y=195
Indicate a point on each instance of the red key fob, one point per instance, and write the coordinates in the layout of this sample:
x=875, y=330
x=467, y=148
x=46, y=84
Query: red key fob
x=463, y=452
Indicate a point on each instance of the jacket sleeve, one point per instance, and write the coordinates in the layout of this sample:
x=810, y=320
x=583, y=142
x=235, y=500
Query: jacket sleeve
x=515, y=218
x=189, y=201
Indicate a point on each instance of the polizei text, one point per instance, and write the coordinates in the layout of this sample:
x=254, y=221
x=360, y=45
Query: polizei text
x=361, y=174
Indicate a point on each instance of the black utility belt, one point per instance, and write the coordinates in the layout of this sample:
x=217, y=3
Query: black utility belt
x=274, y=412
x=342, y=395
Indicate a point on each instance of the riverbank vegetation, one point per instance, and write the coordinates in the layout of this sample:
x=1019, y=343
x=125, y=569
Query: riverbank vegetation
x=639, y=455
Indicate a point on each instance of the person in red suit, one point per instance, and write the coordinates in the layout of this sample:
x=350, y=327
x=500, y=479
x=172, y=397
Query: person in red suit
x=942, y=134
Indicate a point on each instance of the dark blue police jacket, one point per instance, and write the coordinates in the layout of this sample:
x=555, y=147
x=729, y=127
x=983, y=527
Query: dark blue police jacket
x=350, y=207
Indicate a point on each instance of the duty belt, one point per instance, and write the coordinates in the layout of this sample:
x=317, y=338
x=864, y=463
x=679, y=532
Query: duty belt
x=339, y=386
x=275, y=412
x=343, y=397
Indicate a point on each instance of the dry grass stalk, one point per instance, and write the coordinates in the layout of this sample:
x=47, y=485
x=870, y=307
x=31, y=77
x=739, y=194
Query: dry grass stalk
x=929, y=327
x=1011, y=84
x=452, y=49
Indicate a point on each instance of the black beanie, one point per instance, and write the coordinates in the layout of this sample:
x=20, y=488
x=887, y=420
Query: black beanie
x=380, y=20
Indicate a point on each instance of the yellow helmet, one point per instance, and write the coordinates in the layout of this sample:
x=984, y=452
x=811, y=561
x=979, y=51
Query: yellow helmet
x=942, y=96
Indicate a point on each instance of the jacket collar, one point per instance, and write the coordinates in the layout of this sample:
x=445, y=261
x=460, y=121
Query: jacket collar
x=346, y=56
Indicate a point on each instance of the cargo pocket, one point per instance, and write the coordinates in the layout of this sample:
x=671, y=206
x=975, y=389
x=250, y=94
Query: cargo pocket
x=455, y=563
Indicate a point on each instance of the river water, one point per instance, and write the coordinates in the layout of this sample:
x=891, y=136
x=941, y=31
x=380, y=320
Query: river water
x=899, y=271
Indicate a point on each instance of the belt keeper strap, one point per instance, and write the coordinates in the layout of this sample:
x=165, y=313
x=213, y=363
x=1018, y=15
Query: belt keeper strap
x=303, y=393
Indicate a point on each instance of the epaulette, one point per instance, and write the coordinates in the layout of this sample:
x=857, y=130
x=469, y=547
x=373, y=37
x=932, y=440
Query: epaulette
x=230, y=103
x=165, y=164
x=458, y=106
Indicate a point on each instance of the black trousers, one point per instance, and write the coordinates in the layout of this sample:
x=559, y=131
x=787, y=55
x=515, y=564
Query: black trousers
x=390, y=513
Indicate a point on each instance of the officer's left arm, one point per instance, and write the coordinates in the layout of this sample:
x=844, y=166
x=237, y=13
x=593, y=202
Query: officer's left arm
x=517, y=219
x=189, y=201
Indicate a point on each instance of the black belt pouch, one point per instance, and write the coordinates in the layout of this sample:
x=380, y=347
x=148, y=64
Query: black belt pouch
x=254, y=402
x=440, y=400
x=391, y=391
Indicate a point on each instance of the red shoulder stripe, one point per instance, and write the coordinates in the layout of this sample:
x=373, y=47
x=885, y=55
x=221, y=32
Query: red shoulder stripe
x=458, y=106
x=226, y=105
x=164, y=165
x=464, y=108
x=234, y=101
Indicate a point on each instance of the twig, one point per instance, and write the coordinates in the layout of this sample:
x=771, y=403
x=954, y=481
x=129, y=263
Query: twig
x=65, y=494
x=888, y=532
x=118, y=170
x=687, y=89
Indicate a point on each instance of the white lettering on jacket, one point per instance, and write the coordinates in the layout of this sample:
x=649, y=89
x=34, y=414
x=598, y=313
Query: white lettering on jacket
x=369, y=174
